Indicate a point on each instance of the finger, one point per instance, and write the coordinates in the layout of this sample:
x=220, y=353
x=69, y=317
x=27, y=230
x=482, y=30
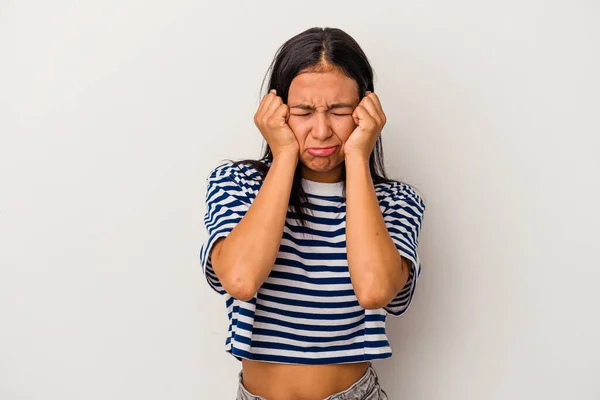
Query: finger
x=375, y=99
x=369, y=105
x=272, y=107
x=264, y=104
x=261, y=106
x=363, y=118
x=282, y=113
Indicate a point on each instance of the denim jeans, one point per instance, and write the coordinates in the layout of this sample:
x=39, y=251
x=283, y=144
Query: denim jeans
x=366, y=388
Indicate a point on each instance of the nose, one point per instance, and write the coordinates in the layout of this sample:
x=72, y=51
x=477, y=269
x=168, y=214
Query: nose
x=321, y=129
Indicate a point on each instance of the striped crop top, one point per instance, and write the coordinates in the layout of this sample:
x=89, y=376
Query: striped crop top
x=306, y=311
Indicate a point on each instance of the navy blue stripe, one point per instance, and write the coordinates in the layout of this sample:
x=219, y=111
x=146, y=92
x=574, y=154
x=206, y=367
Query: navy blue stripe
x=306, y=327
x=374, y=318
x=309, y=339
x=270, y=332
x=337, y=208
x=312, y=256
x=313, y=242
x=316, y=339
x=235, y=187
x=312, y=316
x=315, y=232
x=222, y=184
x=401, y=298
x=312, y=349
x=395, y=208
x=319, y=220
x=305, y=303
x=303, y=278
x=401, y=228
x=308, y=292
x=226, y=217
x=323, y=197
x=246, y=312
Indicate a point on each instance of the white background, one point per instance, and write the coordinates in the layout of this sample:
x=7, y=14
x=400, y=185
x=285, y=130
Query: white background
x=113, y=112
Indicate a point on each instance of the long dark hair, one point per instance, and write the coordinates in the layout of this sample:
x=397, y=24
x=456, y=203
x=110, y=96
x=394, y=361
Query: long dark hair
x=316, y=50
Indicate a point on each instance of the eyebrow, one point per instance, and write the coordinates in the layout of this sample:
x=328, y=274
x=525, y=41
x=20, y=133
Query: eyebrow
x=311, y=108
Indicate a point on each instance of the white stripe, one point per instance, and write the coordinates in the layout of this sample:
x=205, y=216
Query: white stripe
x=392, y=197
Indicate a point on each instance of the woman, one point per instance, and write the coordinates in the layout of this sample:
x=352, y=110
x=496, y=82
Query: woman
x=312, y=246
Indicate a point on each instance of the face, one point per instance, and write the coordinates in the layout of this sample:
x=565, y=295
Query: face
x=321, y=107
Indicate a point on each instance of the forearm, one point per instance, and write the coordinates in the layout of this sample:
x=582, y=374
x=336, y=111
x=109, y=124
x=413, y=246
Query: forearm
x=376, y=268
x=245, y=257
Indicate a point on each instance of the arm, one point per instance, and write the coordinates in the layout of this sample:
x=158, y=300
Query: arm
x=243, y=260
x=377, y=270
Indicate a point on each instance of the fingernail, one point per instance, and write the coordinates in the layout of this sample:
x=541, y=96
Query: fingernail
x=273, y=91
x=368, y=92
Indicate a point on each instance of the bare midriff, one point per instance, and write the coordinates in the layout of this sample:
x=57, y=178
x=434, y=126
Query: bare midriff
x=275, y=381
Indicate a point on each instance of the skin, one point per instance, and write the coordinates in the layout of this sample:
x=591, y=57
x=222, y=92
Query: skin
x=377, y=271
x=316, y=123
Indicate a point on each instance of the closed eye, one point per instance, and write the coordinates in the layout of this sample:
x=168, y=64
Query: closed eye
x=306, y=115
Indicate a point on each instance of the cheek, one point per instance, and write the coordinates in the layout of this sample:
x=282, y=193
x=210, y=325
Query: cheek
x=299, y=128
x=344, y=128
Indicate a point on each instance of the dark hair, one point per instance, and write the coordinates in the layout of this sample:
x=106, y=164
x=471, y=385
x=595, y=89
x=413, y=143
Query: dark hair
x=318, y=50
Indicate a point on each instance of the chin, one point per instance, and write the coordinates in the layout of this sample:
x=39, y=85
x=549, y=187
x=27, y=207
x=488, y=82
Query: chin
x=322, y=164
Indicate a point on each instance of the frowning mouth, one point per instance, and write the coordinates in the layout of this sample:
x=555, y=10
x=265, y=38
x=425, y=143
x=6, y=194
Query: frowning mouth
x=322, y=151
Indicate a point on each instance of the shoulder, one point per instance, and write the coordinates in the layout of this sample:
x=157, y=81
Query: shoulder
x=245, y=175
x=398, y=194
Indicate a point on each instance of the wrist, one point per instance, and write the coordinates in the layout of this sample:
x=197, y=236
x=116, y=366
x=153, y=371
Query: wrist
x=357, y=159
x=286, y=157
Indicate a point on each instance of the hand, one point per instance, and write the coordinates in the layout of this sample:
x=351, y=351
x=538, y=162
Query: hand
x=370, y=119
x=271, y=119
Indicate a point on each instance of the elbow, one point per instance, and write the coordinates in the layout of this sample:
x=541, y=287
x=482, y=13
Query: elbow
x=373, y=292
x=375, y=296
x=234, y=280
x=373, y=300
x=240, y=287
x=371, y=303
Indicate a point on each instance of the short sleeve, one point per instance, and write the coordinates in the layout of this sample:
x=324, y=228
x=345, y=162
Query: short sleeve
x=226, y=205
x=403, y=216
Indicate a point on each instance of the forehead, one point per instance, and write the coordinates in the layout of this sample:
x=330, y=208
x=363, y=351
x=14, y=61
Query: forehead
x=323, y=87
